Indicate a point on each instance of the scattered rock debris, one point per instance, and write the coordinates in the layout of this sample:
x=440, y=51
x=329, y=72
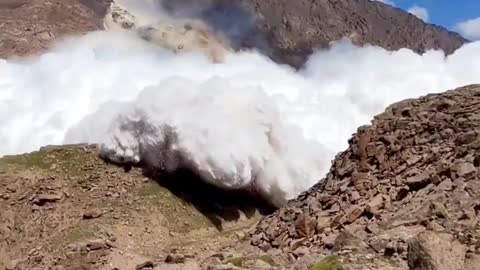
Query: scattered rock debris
x=405, y=183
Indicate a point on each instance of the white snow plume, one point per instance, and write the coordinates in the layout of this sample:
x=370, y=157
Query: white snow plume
x=469, y=29
x=245, y=123
x=232, y=136
x=420, y=12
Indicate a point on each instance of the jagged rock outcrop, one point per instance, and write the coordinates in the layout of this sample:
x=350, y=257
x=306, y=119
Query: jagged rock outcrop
x=415, y=169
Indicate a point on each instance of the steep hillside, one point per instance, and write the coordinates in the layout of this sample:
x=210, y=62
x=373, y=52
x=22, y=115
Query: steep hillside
x=289, y=30
x=29, y=26
x=407, y=191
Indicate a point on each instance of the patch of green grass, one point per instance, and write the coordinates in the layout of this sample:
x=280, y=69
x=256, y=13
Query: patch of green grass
x=67, y=160
x=328, y=263
x=36, y=159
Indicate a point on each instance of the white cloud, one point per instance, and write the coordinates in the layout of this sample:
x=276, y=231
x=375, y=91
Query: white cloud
x=420, y=12
x=469, y=29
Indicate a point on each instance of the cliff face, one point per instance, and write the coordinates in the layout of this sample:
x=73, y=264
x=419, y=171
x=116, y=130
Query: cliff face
x=294, y=28
x=290, y=30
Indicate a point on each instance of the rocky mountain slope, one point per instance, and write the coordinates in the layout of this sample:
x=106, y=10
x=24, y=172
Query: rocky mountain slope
x=289, y=31
x=405, y=193
x=29, y=26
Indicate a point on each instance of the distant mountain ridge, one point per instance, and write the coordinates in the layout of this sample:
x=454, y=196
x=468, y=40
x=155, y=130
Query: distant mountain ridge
x=293, y=29
x=287, y=31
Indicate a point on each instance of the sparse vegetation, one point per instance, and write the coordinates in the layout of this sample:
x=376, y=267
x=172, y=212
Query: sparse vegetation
x=328, y=263
x=36, y=159
x=248, y=261
x=147, y=218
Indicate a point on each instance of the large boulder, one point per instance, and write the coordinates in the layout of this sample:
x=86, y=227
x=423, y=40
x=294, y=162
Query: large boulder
x=434, y=251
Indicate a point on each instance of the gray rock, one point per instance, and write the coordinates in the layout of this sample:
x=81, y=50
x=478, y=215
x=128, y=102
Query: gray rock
x=434, y=251
x=464, y=169
x=346, y=240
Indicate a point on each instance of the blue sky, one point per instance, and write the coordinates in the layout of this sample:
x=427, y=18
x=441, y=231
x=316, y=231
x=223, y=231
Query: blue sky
x=445, y=12
x=448, y=13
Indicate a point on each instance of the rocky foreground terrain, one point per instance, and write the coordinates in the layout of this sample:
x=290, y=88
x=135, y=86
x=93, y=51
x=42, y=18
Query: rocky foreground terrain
x=404, y=195
x=64, y=208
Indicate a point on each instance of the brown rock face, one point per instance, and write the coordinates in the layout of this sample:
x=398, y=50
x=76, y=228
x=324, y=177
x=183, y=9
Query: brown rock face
x=290, y=30
x=416, y=170
x=287, y=31
x=294, y=28
x=29, y=26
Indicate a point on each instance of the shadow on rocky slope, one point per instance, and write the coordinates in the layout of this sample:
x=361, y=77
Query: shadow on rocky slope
x=218, y=205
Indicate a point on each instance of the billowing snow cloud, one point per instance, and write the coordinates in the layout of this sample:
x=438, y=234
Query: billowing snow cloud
x=420, y=12
x=469, y=29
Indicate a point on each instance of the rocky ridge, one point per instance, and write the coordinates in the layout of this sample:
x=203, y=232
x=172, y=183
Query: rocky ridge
x=289, y=31
x=407, y=190
x=286, y=31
